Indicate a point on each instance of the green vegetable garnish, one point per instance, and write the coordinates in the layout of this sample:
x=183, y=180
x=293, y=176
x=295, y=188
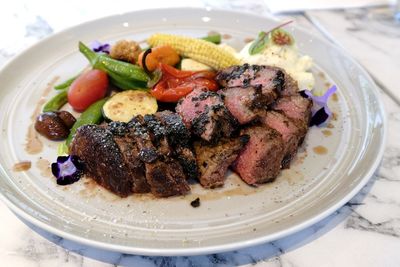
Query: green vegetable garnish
x=56, y=102
x=263, y=38
x=122, y=74
x=66, y=83
x=214, y=38
x=62, y=149
x=281, y=37
x=92, y=115
x=259, y=44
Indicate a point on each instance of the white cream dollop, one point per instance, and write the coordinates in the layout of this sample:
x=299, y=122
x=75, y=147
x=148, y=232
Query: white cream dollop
x=285, y=57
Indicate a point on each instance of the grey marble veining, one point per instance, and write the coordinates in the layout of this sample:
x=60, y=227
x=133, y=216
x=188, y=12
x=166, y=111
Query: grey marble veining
x=374, y=42
x=364, y=232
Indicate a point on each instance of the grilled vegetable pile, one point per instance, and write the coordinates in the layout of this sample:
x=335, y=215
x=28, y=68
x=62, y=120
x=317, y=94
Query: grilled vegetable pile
x=125, y=80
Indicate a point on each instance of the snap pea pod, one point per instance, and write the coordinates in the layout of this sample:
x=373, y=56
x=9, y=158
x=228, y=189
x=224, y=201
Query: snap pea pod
x=214, y=38
x=122, y=74
x=66, y=83
x=92, y=115
x=57, y=101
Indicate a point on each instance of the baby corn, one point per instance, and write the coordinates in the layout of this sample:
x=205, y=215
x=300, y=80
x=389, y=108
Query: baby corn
x=197, y=49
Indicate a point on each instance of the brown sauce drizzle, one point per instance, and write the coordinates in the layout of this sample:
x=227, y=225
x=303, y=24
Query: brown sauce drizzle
x=335, y=97
x=321, y=75
x=22, y=166
x=33, y=144
x=226, y=36
x=327, y=133
x=320, y=150
x=334, y=116
x=44, y=166
x=248, y=39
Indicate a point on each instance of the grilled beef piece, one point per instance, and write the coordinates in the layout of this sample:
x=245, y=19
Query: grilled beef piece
x=250, y=89
x=271, y=79
x=260, y=160
x=179, y=138
x=205, y=114
x=298, y=109
x=290, y=86
x=163, y=173
x=130, y=151
x=157, y=133
x=213, y=160
x=246, y=103
x=109, y=169
x=291, y=133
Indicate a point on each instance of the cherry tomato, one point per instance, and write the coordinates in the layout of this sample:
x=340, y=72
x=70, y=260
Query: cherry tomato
x=87, y=89
x=175, y=84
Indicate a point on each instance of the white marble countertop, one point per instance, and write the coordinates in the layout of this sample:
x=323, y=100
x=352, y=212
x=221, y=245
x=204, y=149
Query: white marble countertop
x=364, y=232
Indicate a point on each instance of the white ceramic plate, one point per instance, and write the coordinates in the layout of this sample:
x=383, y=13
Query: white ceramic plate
x=230, y=218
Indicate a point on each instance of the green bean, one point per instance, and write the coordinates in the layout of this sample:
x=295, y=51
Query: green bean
x=125, y=84
x=124, y=75
x=214, y=38
x=66, y=83
x=56, y=102
x=92, y=115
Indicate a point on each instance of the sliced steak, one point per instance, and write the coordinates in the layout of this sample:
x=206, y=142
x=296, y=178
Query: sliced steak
x=271, y=79
x=158, y=135
x=166, y=178
x=205, y=114
x=129, y=150
x=260, y=160
x=245, y=103
x=290, y=132
x=163, y=173
x=138, y=131
x=290, y=86
x=104, y=162
x=214, y=159
x=179, y=138
x=298, y=109
x=239, y=102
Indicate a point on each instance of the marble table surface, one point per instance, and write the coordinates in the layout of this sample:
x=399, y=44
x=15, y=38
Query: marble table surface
x=364, y=232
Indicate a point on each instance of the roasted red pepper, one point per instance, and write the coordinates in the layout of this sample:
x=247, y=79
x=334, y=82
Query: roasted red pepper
x=175, y=84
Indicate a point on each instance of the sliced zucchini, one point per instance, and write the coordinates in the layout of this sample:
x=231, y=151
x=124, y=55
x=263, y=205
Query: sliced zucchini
x=193, y=65
x=123, y=106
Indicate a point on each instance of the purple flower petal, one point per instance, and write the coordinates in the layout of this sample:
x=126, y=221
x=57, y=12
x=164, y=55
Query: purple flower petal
x=320, y=110
x=319, y=117
x=67, y=169
x=96, y=46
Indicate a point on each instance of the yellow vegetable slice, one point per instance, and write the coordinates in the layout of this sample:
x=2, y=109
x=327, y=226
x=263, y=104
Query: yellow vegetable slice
x=125, y=105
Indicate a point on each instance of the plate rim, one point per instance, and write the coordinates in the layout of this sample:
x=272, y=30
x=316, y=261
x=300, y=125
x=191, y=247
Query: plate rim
x=232, y=245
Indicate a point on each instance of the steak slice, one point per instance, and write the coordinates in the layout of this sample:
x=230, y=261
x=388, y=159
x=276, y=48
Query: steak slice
x=245, y=104
x=289, y=131
x=205, y=114
x=213, y=160
x=239, y=102
x=109, y=169
x=158, y=134
x=290, y=87
x=166, y=178
x=129, y=150
x=179, y=138
x=298, y=109
x=271, y=79
x=163, y=173
x=260, y=160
